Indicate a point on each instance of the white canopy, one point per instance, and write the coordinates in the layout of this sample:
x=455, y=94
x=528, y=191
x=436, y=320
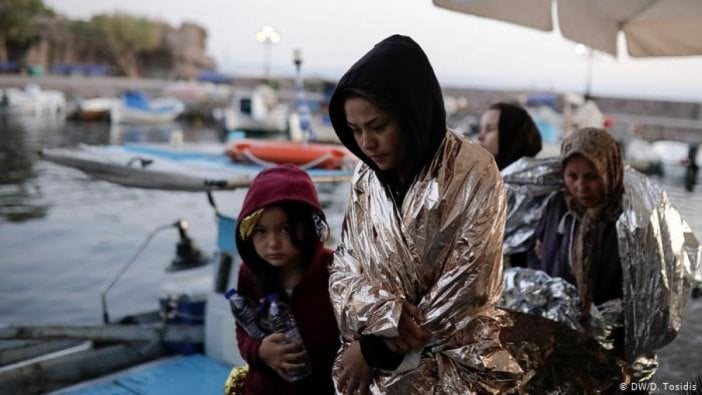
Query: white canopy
x=651, y=27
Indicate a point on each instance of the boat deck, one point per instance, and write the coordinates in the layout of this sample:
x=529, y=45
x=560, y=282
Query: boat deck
x=192, y=375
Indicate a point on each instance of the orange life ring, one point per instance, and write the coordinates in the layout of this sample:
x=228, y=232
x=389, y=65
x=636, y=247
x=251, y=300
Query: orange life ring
x=329, y=156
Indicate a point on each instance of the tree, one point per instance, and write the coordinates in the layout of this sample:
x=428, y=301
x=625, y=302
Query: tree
x=16, y=22
x=123, y=36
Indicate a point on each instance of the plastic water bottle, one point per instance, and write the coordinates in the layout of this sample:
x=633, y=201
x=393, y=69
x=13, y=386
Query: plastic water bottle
x=282, y=320
x=246, y=313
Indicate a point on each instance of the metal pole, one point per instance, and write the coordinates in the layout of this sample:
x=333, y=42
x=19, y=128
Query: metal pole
x=267, y=59
x=588, y=81
x=111, y=283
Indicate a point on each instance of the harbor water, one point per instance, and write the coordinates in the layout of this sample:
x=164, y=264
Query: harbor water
x=63, y=235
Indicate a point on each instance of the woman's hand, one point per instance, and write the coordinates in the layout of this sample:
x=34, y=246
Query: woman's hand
x=281, y=356
x=411, y=334
x=539, y=249
x=355, y=375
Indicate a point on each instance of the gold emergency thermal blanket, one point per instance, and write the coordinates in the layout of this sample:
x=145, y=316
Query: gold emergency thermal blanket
x=442, y=251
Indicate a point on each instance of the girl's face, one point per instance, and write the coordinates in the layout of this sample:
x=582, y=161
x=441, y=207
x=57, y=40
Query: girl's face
x=583, y=182
x=489, y=136
x=377, y=133
x=272, y=239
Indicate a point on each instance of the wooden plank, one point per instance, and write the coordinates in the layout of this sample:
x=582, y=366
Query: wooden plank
x=34, y=349
x=48, y=375
x=169, y=333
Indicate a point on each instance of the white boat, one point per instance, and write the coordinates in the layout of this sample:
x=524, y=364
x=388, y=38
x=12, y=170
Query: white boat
x=135, y=107
x=31, y=100
x=92, y=109
x=165, y=167
x=256, y=110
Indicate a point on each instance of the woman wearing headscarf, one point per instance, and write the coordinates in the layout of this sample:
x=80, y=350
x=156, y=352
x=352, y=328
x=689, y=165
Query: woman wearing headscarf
x=576, y=238
x=508, y=133
x=418, y=270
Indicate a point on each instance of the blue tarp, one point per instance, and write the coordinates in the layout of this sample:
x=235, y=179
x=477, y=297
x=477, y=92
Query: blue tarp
x=80, y=69
x=213, y=76
x=226, y=234
x=9, y=67
x=541, y=99
x=136, y=99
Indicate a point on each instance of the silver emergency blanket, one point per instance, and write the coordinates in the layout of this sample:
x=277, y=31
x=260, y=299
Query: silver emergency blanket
x=440, y=251
x=658, y=251
x=535, y=292
x=529, y=183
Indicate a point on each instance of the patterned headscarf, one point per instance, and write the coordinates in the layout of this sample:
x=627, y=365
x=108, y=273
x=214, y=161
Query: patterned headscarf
x=601, y=149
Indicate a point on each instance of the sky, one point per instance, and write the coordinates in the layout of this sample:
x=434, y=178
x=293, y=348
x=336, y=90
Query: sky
x=465, y=50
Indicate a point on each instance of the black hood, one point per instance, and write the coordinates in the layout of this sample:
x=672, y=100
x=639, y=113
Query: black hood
x=398, y=74
x=518, y=134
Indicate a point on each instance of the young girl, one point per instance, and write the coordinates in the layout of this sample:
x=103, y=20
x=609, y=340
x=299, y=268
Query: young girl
x=280, y=239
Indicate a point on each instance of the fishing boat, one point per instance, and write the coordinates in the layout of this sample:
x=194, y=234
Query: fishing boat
x=258, y=111
x=136, y=107
x=32, y=100
x=153, y=166
x=92, y=109
x=185, y=346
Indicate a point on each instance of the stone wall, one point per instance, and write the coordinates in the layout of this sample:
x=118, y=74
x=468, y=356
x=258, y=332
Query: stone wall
x=181, y=56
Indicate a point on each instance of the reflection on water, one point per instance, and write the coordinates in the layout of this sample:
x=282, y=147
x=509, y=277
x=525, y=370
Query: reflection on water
x=21, y=196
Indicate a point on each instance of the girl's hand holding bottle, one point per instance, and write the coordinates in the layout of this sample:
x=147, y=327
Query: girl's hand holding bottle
x=281, y=356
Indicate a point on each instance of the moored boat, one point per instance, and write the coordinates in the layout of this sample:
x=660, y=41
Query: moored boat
x=31, y=100
x=93, y=109
x=169, y=168
x=135, y=107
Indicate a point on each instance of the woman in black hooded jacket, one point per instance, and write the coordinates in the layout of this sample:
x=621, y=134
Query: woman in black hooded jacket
x=508, y=133
x=418, y=270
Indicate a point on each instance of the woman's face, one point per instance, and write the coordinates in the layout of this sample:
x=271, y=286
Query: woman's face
x=272, y=239
x=489, y=136
x=377, y=133
x=583, y=182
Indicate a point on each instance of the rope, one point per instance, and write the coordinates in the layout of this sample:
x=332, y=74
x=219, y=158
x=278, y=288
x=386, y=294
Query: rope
x=253, y=158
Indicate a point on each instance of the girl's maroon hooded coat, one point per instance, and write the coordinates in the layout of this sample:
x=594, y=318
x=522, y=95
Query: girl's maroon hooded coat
x=309, y=300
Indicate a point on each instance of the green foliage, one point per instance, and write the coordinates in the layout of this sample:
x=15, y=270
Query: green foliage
x=124, y=32
x=16, y=17
x=120, y=37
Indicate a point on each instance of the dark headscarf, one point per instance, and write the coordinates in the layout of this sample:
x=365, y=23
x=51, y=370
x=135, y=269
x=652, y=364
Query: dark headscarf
x=397, y=76
x=518, y=135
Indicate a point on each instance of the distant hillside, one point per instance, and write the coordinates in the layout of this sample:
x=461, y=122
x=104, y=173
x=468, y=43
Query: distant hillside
x=116, y=44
